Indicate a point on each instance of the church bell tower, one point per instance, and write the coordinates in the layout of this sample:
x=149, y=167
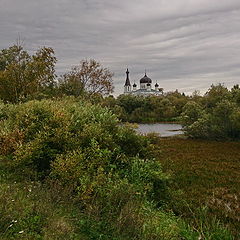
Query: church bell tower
x=127, y=86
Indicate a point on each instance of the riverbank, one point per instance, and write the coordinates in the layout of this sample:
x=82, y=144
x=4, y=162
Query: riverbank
x=206, y=174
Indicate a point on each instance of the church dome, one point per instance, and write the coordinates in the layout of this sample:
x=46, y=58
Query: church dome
x=145, y=79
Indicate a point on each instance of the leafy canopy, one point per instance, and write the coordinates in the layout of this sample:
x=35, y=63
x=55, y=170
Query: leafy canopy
x=88, y=77
x=23, y=76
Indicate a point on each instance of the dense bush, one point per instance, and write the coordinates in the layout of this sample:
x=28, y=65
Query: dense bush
x=216, y=117
x=147, y=109
x=116, y=182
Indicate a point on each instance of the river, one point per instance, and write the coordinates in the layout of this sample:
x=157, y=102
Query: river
x=164, y=129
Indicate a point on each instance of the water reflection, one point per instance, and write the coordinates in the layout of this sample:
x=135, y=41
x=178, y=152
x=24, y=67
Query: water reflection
x=164, y=129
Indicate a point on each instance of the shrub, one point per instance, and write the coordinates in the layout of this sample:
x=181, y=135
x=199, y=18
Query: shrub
x=191, y=113
x=117, y=185
x=79, y=143
x=221, y=122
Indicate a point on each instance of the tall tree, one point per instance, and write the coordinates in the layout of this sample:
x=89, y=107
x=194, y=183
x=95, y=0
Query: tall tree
x=215, y=94
x=23, y=75
x=88, y=77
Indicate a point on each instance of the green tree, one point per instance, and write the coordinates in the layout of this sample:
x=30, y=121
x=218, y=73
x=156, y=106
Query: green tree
x=23, y=76
x=222, y=118
x=178, y=100
x=222, y=122
x=130, y=103
x=192, y=111
x=89, y=77
x=215, y=94
x=235, y=92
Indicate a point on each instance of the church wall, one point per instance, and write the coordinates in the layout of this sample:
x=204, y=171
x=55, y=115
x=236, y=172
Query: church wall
x=143, y=86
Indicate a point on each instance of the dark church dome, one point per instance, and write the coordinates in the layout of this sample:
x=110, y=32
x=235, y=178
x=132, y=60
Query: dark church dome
x=145, y=79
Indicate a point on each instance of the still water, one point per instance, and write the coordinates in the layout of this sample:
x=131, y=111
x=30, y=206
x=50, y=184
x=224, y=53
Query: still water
x=164, y=129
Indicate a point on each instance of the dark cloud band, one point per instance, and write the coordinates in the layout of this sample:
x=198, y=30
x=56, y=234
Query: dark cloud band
x=183, y=44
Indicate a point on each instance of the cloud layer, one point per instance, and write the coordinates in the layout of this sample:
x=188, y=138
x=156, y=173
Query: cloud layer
x=185, y=45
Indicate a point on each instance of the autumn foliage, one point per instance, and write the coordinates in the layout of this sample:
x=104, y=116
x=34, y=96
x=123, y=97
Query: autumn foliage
x=24, y=76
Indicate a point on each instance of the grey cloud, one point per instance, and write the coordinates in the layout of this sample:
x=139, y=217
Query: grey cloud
x=183, y=44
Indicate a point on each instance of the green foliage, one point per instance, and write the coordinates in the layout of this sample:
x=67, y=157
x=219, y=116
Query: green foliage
x=217, y=118
x=116, y=188
x=212, y=116
x=202, y=128
x=40, y=130
x=23, y=76
x=191, y=113
x=215, y=94
x=107, y=166
x=32, y=210
x=147, y=109
x=235, y=94
x=89, y=77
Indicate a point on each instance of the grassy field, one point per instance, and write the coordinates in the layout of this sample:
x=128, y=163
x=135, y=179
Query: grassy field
x=205, y=179
x=204, y=189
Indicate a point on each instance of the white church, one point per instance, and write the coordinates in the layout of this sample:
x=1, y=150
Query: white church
x=145, y=87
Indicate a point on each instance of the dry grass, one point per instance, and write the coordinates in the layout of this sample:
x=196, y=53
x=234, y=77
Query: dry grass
x=207, y=173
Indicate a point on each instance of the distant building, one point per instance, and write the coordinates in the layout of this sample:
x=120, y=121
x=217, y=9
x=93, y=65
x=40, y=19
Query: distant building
x=145, y=87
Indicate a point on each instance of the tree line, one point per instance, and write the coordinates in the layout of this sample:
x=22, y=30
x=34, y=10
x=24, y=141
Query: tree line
x=25, y=77
x=214, y=115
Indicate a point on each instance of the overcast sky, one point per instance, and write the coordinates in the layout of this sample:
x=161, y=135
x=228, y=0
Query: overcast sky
x=183, y=44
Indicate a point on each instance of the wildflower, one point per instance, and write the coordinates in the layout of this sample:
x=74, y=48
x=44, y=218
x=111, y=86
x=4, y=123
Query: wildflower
x=21, y=232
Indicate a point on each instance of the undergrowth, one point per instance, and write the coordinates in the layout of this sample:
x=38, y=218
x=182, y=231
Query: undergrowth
x=70, y=170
